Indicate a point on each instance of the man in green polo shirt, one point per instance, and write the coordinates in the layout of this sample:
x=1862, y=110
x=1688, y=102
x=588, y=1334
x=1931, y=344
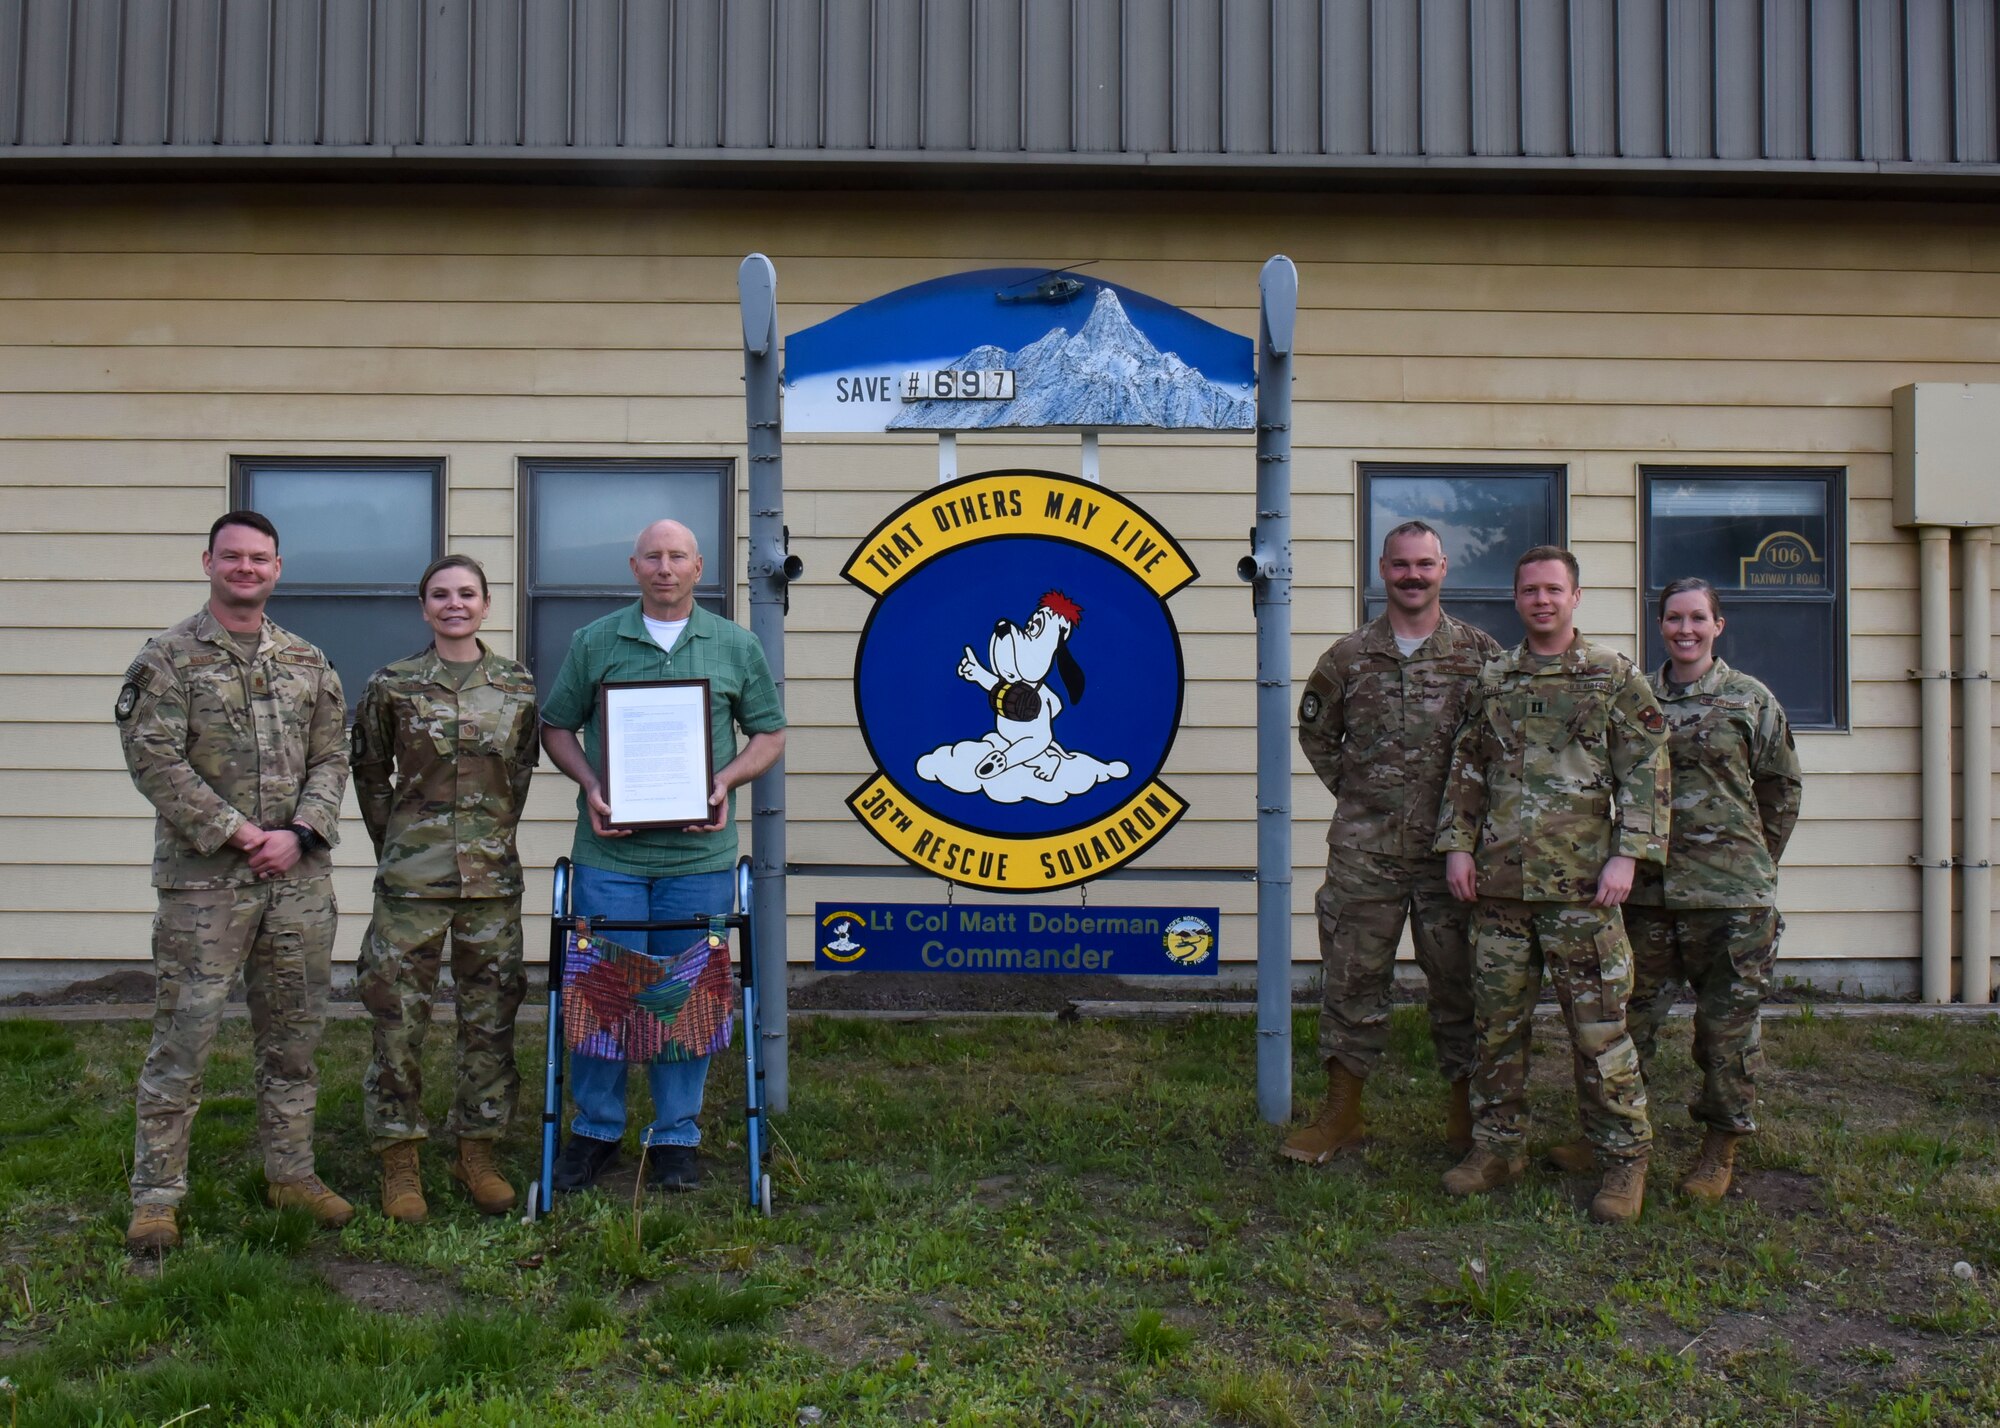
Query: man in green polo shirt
x=655, y=874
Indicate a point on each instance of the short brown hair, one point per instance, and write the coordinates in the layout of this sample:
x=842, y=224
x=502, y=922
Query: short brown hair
x=452, y=562
x=1412, y=528
x=1687, y=584
x=1535, y=554
x=251, y=520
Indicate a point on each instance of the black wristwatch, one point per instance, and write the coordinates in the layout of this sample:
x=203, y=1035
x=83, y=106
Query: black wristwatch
x=309, y=841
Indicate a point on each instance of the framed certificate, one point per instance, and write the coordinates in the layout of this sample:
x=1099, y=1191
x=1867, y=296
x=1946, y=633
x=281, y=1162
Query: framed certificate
x=659, y=753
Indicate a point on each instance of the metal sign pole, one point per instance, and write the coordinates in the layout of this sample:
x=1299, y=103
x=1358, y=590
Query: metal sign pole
x=1268, y=568
x=772, y=569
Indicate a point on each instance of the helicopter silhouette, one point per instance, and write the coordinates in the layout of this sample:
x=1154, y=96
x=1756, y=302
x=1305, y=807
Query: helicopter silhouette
x=1052, y=287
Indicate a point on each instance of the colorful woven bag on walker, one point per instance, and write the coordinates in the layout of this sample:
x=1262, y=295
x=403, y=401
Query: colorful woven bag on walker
x=620, y=1004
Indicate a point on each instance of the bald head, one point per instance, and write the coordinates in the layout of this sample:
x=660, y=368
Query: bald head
x=666, y=563
x=671, y=531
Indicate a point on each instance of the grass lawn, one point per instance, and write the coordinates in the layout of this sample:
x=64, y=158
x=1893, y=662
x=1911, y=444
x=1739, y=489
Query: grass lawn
x=1018, y=1222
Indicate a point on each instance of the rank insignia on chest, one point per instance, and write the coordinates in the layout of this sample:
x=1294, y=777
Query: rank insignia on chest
x=1535, y=706
x=260, y=683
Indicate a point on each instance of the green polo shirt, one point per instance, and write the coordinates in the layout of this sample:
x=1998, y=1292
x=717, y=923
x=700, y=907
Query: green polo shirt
x=740, y=695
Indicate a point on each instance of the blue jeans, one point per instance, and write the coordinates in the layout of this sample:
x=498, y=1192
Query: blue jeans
x=598, y=1086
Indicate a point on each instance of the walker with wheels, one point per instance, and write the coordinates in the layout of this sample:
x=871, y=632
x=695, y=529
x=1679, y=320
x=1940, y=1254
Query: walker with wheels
x=563, y=921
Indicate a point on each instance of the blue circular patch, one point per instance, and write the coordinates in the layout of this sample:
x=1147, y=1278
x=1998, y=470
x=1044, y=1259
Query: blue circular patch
x=914, y=705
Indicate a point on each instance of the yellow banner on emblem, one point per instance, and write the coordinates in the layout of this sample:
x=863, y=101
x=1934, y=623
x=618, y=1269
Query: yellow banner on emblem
x=1032, y=863
x=1019, y=503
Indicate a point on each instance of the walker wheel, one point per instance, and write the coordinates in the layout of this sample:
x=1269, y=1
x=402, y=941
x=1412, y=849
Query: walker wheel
x=764, y=1195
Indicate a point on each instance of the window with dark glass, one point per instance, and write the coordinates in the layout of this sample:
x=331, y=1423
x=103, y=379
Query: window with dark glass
x=1772, y=543
x=355, y=535
x=580, y=519
x=1485, y=515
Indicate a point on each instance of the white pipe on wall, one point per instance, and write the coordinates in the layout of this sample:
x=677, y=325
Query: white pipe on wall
x=1975, y=925
x=1934, y=680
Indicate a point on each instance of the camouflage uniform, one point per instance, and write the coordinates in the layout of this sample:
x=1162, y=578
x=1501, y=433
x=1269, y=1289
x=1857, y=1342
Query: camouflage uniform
x=1560, y=766
x=214, y=741
x=1377, y=727
x=1708, y=918
x=441, y=774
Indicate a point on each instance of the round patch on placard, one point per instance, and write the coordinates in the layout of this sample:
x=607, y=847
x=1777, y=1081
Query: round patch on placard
x=1019, y=681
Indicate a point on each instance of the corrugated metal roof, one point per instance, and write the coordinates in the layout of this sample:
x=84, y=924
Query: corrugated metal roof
x=1304, y=87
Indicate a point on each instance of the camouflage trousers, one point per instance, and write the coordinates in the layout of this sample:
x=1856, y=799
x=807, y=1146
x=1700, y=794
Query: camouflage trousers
x=1726, y=954
x=279, y=935
x=1590, y=962
x=1362, y=907
x=398, y=977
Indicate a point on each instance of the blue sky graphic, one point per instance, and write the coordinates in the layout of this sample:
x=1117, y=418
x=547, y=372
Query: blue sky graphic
x=939, y=321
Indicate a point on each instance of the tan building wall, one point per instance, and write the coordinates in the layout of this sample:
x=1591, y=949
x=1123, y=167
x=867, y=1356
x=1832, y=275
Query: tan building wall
x=149, y=335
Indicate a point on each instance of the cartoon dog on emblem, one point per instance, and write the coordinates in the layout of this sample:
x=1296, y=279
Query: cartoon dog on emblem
x=1021, y=757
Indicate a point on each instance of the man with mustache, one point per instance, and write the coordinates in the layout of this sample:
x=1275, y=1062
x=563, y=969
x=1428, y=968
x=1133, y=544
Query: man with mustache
x=1376, y=722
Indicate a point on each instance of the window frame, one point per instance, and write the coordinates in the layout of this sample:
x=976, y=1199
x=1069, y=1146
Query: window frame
x=243, y=474
x=723, y=468
x=1839, y=595
x=1368, y=543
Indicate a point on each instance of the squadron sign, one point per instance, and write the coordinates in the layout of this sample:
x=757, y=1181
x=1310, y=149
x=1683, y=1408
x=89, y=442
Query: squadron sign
x=1019, y=680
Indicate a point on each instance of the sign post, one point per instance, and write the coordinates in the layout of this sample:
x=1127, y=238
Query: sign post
x=772, y=569
x=1268, y=568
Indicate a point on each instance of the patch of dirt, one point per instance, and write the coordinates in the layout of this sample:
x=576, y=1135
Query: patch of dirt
x=1780, y=1192
x=387, y=1288
x=1832, y=1347
x=129, y=985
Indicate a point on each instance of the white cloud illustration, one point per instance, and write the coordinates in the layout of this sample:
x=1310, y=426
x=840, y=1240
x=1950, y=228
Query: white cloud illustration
x=952, y=765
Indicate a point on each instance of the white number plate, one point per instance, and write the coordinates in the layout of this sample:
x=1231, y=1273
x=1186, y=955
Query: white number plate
x=945, y=385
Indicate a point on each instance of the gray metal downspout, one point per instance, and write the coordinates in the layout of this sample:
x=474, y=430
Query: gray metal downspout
x=1934, y=857
x=1268, y=568
x=771, y=570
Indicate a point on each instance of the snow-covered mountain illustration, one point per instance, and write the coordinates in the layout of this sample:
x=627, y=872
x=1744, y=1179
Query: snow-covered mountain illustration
x=1108, y=373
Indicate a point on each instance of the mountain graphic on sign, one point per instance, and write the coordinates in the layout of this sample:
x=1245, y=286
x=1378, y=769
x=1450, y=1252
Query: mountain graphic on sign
x=1108, y=373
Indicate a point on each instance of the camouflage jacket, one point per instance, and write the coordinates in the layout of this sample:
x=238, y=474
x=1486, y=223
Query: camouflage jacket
x=441, y=774
x=215, y=742
x=1560, y=766
x=1736, y=787
x=1377, y=729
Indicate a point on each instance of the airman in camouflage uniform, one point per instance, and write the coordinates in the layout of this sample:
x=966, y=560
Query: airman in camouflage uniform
x=1709, y=918
x=441, y=770
x=238, y=741
x=1558, y=785
x=1377, y=727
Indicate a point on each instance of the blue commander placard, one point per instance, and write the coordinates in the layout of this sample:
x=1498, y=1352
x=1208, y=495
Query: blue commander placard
x=999, y=937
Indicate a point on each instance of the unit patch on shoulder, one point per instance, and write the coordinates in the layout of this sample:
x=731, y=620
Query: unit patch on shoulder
x=1309, y=707
x=1653, y=719
x=138, y=675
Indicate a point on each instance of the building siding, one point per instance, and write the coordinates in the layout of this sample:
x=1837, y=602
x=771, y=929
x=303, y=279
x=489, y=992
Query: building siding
x=1780, y=87
x=147, y=336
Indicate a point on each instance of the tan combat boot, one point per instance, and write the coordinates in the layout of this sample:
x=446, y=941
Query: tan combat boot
x=312, y=1196
x=1709, y=1179
x=1458, y=1117
x=153, y=1228
x=1619, y=1198
x=1573, y=1157
x=1481, y=1171
x=403, y=1184
x=1338, y=1124
x=475, y=1170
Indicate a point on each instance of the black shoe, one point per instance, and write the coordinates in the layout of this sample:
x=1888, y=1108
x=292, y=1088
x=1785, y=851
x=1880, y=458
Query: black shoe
x=583, y=1159
x=672, y=1167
